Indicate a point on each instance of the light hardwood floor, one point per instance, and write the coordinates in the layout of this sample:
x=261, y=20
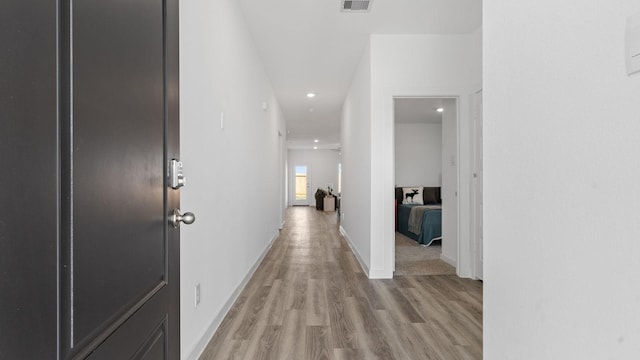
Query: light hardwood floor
x=309, y=299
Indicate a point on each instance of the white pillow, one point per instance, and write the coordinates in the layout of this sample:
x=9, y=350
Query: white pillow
x=412, y=195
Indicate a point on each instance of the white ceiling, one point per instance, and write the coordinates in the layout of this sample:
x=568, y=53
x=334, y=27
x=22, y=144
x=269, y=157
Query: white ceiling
x=417, y=110
x=311, y=46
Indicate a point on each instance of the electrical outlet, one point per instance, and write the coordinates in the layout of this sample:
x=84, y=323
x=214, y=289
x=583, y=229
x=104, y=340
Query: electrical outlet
x=197, y=290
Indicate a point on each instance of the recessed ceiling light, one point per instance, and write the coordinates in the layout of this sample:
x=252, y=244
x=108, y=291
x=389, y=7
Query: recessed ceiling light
x=315, y=148
x=440, y=109
x=311, y=95
x=316, y=140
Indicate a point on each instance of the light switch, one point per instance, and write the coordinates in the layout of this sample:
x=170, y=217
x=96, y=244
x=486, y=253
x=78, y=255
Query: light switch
x=632, y=40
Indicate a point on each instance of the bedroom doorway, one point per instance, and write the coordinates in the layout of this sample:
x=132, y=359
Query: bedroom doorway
x=426, y=178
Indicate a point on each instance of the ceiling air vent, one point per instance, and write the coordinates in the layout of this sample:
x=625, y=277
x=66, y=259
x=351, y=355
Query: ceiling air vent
x=356, y=5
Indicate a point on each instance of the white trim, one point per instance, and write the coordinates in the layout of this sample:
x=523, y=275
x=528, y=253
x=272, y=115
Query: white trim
x=355, y=252
x=282, y=225
x=448, y=260
x=476, y=117
x=379, y=274
x=211, y=330
x=464, y=261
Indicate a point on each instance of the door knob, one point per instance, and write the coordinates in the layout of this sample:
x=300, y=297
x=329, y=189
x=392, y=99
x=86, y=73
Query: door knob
x=175, y=218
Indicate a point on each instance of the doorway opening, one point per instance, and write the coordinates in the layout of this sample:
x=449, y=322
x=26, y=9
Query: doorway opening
x=426, y=185
x=301, y=186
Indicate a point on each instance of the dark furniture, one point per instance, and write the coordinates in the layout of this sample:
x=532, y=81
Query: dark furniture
x=320, y=194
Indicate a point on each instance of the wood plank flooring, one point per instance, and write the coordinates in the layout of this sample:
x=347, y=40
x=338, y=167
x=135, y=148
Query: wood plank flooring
x=309, y=299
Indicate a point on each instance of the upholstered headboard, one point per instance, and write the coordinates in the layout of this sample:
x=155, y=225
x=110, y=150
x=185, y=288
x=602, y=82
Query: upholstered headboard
x=430, y=195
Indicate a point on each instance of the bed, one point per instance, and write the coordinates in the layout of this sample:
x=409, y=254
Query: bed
x=425, y=226
x=431, y=227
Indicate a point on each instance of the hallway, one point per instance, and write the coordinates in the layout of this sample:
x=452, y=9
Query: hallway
x=309, y=299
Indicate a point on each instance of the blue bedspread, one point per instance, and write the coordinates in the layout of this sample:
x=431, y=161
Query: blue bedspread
x=431, y=224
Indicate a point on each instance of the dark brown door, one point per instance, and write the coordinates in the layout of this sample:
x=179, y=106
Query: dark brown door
x=109, y=275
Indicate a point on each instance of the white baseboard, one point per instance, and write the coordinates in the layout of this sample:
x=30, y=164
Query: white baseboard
x=211, y=330
x=364, y=267
x=375, y=274
x=449, y=261
x=282, y=225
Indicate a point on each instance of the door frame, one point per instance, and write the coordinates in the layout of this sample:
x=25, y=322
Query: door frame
x=295, y=202
x=464, y=266
x=457, y=100
x=477, y=187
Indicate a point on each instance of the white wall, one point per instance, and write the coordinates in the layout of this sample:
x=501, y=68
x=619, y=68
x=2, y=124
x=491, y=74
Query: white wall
x=476, y=59
x=450, y=182
x=355, y=125
x=562, y=209
x=408, y=65
x=322, y=168
x=418, y=154
x=230, y=172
